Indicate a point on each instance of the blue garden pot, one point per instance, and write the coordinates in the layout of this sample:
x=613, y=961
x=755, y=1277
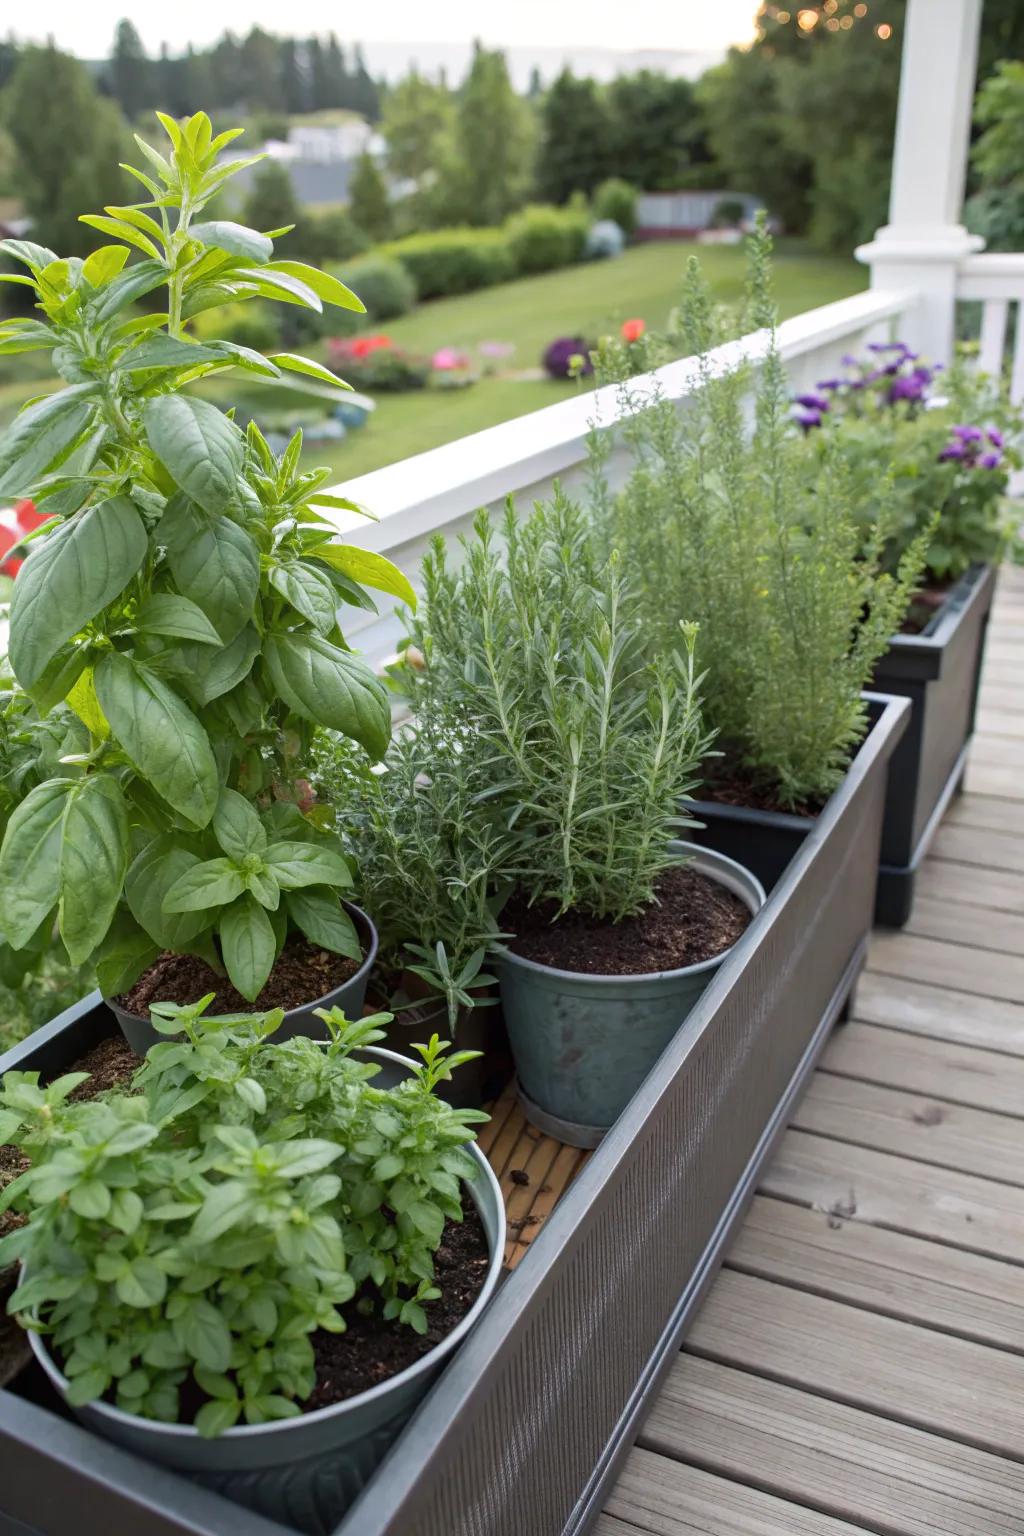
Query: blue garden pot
x=583, y=1044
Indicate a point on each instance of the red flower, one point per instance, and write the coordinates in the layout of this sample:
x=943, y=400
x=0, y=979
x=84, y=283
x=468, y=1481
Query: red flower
x=14, y=524
x=632, y=330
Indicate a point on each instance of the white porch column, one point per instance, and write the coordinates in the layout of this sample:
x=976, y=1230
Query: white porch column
x=924, y=242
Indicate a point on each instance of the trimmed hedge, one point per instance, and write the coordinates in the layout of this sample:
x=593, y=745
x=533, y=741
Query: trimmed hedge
x=447, y=261
x=384, y=285
x=543, y=237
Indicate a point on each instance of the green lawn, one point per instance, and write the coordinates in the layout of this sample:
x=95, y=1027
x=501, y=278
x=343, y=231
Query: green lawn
x=590, y=300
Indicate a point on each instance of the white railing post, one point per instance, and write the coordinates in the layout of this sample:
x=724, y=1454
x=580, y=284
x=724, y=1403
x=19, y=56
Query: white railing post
x=924, y=242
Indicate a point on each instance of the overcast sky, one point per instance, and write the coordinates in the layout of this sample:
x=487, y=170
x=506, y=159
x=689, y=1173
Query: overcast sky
x=86, y=27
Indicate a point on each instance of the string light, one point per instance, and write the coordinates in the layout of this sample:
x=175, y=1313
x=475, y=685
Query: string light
x=884, y=31
x=860, y=10
x=807, y=20
x=832, y=25
x=782, y=17
x=831, y=6
x=846, y=23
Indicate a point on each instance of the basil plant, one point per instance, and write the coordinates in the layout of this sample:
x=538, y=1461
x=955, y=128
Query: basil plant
x=174, y=632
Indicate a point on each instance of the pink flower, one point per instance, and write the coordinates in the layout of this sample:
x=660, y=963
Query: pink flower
x=632, y=330
x=448, y=359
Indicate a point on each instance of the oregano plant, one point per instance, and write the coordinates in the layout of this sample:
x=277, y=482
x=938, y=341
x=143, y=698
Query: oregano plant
x=177, y=620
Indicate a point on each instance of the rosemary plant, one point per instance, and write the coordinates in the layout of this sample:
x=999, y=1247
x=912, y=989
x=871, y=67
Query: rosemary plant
x=533, y=680
x=730, y=517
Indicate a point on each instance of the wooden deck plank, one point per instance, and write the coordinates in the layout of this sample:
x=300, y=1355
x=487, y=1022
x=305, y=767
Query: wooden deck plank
x=1001, y=696
x=533, y=1169
x=836, y=1459
x=985, y=810
x=940, y=1013
x=1005, y=750
x=905, y=1277
x=975, y=845
x=983, y=972
x=932, y=1381
x=960, y=1209
x=961, y=923
x=985, y=779
x=1001, y=722
x=666, y=1498
x=957, y=1074
x=914, y=1126
x=999, y=891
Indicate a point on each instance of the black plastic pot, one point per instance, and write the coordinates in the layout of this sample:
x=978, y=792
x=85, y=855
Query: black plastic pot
x=526, y=1428
x=349, y=997
x=939, y=671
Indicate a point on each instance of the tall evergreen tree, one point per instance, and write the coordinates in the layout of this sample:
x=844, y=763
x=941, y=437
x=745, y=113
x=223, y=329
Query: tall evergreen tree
x=291, y=78
x=319, y=84
x=66, y=157
x=8, y=59
x=368, y=201
x=417, y=114
x=658, y=132
x=575, y=153
x=487, y=167
x=271, y=202
x=335, y=75
x=260, y=69
x=364, y=96
x=130, y=76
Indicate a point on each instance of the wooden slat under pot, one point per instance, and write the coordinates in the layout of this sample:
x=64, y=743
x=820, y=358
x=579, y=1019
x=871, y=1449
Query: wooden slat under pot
x=961, y=1209
x=914, y=1126
x=997, y=890
x=887, y=1272
x=662, y=1497
x=972, y=845
x=961, y=923
x=957, y=1074
x=983, y=972
x=942, y=1384
x=940, y=1013
x=834, y=1458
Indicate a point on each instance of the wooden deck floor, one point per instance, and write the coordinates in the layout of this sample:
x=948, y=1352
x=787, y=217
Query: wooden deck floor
x=858, y=1365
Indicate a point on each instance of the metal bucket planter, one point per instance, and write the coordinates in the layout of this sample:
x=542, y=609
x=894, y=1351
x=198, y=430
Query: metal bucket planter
x=583, y=1044
x=303, y=1472
x=939, y=671
x=350, y=996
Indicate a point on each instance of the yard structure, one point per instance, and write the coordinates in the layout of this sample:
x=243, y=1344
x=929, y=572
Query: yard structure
x=852, y=1157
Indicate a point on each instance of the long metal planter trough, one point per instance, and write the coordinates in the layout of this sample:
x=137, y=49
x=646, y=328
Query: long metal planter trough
x=523, y=1432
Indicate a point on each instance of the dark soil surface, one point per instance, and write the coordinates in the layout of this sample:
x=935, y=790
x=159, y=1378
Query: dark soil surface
x=924, y=605
x=727, y=783
x=304, y=973
x=110, y=1064
x=371, y=1351
x=693, y=919
x=12, y=1163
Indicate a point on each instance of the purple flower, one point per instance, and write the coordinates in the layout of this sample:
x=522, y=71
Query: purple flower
x=995, y=437
x=813, y=402
x=830, y=384
x=849, y=361
x=953, y=451
x=910, y=387
x=968, y=434
x=990, y=461
x=567, y=357
x=809, y=419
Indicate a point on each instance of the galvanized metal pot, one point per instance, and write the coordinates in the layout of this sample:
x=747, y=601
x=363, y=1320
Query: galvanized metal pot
x=350, y=996
x=583, y=1044
x=304, y=1472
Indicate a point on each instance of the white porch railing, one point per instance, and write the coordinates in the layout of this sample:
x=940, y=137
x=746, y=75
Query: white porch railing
x=998, y=282
x=440, y=491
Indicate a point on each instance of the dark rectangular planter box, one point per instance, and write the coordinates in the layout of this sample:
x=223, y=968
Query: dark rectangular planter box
x=939, y=671
x=525, y=1430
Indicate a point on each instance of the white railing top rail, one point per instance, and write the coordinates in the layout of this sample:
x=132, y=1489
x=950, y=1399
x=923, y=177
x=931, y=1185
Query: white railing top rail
x=440, y=491
x=991, y=275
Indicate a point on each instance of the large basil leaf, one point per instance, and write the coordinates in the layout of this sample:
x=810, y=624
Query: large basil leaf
x=30, y=860
x=237, y=826
x=309, y=592
x=165, y=613
x=296, y=864
x=160, y=735
x=212, y=883
x=212, y=673
x=58, y=677
x=70, y=576
x=93, y=862
x=215, y=563
x=321, y=917
x=248, y=945
x=123, y=955
x=40, y=434
x=166, y=352
x=330, y=687
x=236, y=239
x=158, y=866
x=140, y=278
x=364, y=565
x=199, y=447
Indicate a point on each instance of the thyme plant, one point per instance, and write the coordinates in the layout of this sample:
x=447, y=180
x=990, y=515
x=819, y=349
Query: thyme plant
x=532, y=679
x=192, y=1233
x=729, y=517
x=177, y=620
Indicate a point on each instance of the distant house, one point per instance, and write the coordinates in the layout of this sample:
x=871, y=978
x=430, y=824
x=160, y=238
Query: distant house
x=684, y=215
x=319, y=158
x=13, y=223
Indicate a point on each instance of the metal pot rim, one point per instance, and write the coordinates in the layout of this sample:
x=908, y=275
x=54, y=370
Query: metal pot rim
x=187, y=1432
x=301, y=1008
x=744, y=883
